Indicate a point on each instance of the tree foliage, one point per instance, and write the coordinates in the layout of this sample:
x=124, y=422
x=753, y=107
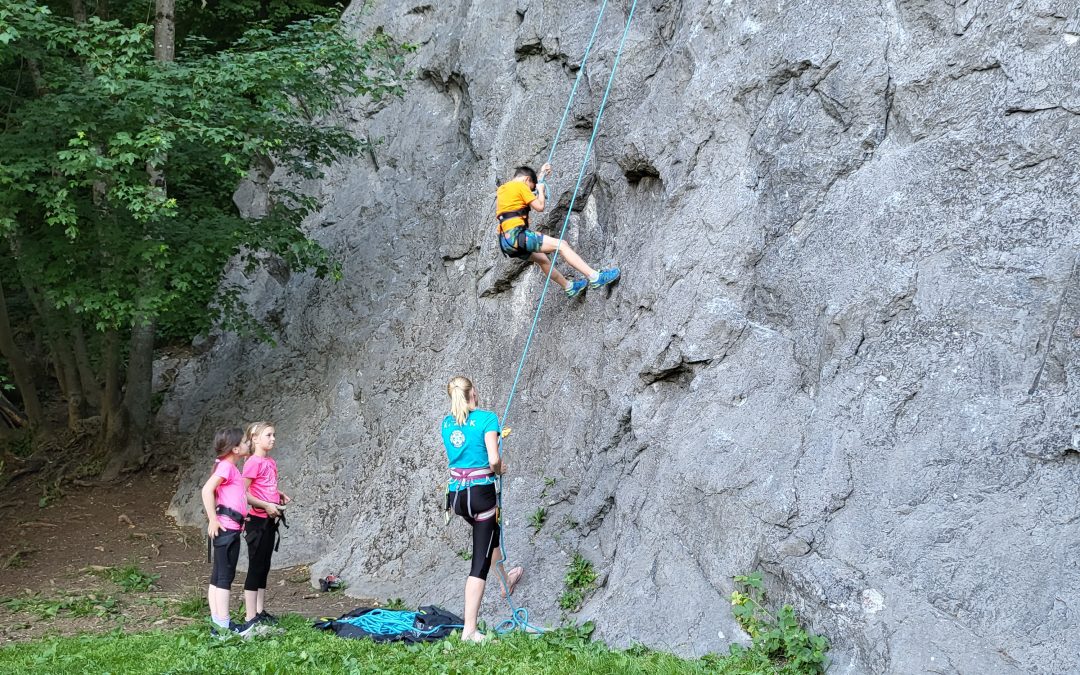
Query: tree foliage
x=117, y=171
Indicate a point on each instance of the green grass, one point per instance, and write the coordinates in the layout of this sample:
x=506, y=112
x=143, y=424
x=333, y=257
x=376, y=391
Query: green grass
x=194, y=605
x=91, y=604
x=304, y=649
x=131, y=578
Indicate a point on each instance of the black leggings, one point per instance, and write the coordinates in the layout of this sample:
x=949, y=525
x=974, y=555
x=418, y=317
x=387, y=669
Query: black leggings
x=478, y=500
x=261, y=533
x=226, y=553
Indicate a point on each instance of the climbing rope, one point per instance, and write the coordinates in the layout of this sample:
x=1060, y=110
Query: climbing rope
x=391, y=622
x=519, y=616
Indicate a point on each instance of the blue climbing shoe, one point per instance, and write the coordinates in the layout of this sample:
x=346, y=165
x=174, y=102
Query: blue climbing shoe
x=606, y=277
x=576, y=287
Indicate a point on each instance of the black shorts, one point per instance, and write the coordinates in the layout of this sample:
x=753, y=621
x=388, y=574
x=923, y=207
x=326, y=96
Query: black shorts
x=226, y=553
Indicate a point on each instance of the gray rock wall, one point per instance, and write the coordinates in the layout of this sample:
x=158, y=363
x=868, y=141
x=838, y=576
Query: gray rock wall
x=844, y=350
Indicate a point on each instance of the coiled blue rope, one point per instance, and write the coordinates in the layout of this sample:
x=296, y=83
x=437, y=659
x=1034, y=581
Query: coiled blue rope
x=519, y=616
x=391, y=622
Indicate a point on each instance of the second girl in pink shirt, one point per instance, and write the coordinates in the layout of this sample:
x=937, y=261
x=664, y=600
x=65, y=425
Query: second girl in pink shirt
x=261, y=479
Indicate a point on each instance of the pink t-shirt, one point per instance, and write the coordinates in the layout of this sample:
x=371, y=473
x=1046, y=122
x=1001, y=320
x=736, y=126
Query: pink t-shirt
x=262, y=471
x=230, y=493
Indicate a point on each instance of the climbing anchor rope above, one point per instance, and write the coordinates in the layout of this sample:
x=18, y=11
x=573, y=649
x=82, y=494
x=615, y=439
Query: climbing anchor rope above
x=519, y=616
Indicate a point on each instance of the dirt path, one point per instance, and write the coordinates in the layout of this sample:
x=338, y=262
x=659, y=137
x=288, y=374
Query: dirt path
x=61, y=552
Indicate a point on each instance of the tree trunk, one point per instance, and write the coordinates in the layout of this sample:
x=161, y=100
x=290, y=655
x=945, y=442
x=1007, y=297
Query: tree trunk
x=65, y=366
x=11, y=417
x=114, y=420
x=140, y=381
x=110, y=366
x=164, y=31
x=91, y=388
x=20, y=369
x=78, y=11
x=56, y=336
x=128, y=430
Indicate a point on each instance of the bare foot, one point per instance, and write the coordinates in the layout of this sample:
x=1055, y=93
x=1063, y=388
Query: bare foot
x=512, y=579
x=477, y=637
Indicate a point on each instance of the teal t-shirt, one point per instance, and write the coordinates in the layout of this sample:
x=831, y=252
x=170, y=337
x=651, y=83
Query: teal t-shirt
x=464, y=443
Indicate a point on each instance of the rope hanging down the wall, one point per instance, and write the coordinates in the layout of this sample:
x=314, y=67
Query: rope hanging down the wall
x=519, y=616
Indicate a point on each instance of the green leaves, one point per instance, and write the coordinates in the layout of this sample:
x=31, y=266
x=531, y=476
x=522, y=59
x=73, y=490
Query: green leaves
x=779, y=640
x=580, y=577
x=537, y=519
x=117, y=171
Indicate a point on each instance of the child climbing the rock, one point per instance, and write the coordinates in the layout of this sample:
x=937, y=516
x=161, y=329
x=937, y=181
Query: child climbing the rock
x=514, y=201
x=471, y=439
x=223, y=498
x=261, y=486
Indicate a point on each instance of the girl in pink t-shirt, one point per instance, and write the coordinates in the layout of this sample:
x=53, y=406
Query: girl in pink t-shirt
x=261, y=483
x=224, y=499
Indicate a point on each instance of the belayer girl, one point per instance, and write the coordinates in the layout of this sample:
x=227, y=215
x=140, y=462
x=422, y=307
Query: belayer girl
x=225, y=502
x=471, y=439
x=265, y=500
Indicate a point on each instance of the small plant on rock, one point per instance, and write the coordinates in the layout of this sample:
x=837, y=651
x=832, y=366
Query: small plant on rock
x=779, y=638
x=580, y=578
x=537, y=519
x=394, y=603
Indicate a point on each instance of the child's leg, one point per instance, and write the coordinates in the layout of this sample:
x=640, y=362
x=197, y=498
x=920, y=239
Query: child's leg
x=568, y=253
x=260, y=551
x=251, y=604
x=211, y=600
x=226, y=554
x=253, y=535
x=222, y=596
x=474, y=593
x=542, y=261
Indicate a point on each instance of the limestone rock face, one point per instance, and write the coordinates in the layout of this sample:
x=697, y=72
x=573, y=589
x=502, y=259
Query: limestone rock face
x=845, y=349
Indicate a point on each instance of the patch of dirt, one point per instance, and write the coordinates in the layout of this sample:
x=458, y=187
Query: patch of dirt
x=59, y=546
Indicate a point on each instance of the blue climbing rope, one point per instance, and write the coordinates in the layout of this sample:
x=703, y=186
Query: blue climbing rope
x=577, y=81
x=519, y=616
x=391, y=622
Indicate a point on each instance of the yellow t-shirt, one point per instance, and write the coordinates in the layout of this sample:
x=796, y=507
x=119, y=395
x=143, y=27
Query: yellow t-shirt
x=512, y=196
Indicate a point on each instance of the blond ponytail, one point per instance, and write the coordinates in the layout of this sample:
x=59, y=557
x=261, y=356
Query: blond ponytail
x=460, y=390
